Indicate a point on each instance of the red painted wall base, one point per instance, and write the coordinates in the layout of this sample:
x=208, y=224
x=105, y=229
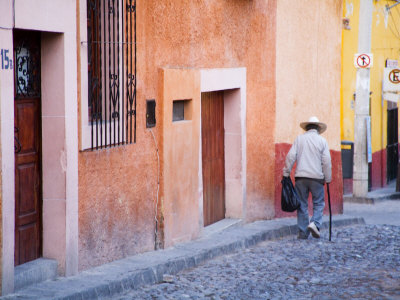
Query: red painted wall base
x=379, y=169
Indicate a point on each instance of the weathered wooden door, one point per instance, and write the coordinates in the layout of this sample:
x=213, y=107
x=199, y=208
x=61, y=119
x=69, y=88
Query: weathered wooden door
x=213, y=156
x=27, y=144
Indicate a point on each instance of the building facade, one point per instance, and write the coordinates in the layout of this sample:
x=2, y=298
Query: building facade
x=129, y=126
x=382, y=106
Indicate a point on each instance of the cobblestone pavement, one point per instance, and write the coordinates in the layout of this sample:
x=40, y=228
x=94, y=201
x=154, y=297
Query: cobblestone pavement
x=361, y=262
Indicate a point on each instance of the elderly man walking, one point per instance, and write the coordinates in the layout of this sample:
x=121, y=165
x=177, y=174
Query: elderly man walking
x=313, y=169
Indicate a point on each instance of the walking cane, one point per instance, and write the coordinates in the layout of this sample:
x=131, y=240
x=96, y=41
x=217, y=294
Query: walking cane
x=330, y=212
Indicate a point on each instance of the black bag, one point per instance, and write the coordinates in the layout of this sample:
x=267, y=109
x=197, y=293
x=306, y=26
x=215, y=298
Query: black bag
x=289, y=199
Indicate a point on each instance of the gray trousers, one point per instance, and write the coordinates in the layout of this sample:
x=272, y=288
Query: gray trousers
x=303, y=187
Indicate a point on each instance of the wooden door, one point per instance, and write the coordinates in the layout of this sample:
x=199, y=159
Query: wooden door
x=27, y=144
x=213, y=156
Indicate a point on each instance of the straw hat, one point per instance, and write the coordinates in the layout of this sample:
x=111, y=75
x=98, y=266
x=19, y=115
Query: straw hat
x=315, y=121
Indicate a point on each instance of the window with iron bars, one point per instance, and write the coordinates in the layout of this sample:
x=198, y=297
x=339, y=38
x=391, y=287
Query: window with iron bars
x=111, y=41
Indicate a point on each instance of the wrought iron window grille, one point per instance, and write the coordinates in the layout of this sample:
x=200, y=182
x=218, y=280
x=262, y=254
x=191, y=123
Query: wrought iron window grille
x=111, y=39
x=27, y=81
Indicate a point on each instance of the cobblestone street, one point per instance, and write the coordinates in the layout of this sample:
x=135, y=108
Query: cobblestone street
x=361, y=262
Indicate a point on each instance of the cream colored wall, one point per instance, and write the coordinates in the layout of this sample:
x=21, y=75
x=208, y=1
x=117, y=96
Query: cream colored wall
x=234, y=186
x=308, y=67
x=53, y=148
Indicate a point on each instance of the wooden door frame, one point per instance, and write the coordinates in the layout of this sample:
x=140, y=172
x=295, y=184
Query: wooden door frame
x=233, y=82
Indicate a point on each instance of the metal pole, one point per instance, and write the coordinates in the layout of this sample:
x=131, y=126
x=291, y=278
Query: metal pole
x=360, y=174
x=330, y=212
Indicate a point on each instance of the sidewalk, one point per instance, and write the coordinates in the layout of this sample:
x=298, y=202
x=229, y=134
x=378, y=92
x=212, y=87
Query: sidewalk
x=379, y=195
x=149, y=268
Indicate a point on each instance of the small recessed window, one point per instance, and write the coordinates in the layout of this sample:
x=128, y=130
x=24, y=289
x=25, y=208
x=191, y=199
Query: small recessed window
x=150, y=113
x=181, y=110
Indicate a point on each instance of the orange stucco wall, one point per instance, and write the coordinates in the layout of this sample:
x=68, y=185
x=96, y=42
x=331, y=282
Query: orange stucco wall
x=117, y=187
x=179, y=201
x=215, y=34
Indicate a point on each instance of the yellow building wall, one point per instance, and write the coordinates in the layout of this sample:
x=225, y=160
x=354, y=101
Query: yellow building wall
x=385, y=44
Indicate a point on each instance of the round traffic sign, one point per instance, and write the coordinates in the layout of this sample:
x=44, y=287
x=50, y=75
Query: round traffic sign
x=394, y=76
x=363, y=60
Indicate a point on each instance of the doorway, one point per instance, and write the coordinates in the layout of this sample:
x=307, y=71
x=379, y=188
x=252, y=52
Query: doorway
x=392, y=143
x=213, y=156
x=27, y=147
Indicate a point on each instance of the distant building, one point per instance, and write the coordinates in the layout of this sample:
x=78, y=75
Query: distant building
x=383, y=104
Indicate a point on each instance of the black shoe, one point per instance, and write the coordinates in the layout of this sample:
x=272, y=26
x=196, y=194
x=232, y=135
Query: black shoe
x=302, y=236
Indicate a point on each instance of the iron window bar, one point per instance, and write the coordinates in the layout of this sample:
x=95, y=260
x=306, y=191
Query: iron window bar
x=111, y=72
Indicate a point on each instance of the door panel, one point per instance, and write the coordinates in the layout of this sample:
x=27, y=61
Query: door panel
x=27, y=127
x=213, y=156
x=27, y=114
x=27, y=242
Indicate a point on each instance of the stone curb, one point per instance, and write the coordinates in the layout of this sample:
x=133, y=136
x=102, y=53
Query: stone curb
x=371, y=200
x=149, y=268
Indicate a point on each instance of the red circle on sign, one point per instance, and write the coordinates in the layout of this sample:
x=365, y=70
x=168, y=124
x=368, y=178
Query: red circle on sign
x=394, y=76
x=363, y=61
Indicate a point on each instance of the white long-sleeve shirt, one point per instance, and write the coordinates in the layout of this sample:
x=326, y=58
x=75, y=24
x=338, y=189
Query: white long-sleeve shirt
x=311, y=152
